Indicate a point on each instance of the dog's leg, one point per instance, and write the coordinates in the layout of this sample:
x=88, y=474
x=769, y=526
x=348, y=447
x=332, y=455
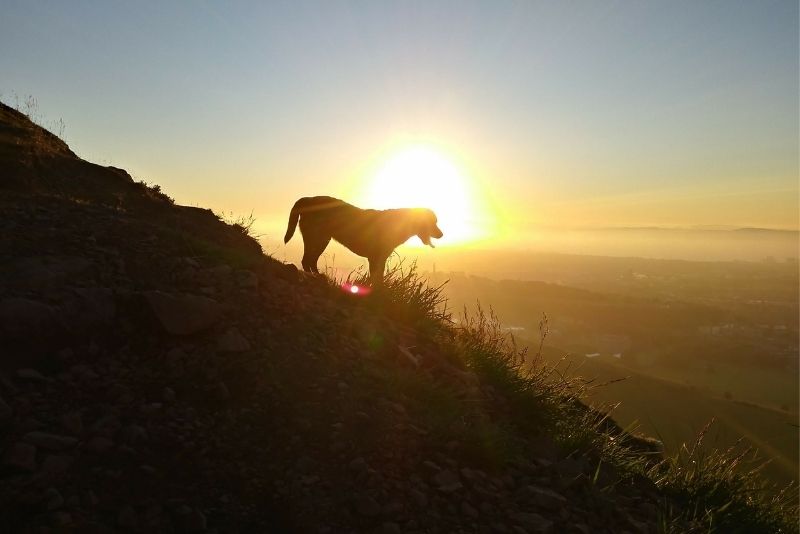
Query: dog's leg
x=377, y=265
x=312, y=250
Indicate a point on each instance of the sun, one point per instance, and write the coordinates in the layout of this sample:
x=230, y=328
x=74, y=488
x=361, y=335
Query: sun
x=420, y=176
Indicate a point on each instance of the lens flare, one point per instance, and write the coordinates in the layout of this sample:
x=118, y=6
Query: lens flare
x=354, y=289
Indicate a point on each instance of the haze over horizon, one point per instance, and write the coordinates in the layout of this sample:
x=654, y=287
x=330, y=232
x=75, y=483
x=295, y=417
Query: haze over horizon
x=539, y=115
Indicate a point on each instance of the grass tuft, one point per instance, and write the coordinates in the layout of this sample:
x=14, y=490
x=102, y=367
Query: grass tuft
x=723, y=491
x=241, y=223
x=405, y=296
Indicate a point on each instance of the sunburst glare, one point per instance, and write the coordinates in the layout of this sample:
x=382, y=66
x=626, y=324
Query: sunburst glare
x=422, y=176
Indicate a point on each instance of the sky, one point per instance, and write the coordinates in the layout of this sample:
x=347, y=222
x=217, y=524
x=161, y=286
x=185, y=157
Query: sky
x=555, y=114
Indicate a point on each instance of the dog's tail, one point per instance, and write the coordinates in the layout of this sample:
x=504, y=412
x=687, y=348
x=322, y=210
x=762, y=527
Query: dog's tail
x=294, y=216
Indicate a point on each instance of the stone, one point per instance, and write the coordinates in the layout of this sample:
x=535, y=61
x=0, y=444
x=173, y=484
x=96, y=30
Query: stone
x=359, y=465
x=62, y=518
x=89, y=499
x=128, y=518
x=393, y=509
x=468, y=510
x=419, y=498
x=232, y=341
x=544, y=498
x=634, y=524
x=190, y=519
x=99, y=444
x=20, y=457
x=431, y=467
x=367, y=506
x=391, y=528
x=447, y=481
x=534, y=523
x=51, y=442
x=53, y=498
x=91, y=307
x=24, y=318
x=221, y=392
x=134, y=435
x=107, y=426
x=32, y=374
x=6, y=412
x=183, y=315
x=73, y=423
x=246, y=279
x=55, y=464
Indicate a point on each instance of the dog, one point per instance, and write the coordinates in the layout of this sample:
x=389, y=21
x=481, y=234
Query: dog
x=372, y=234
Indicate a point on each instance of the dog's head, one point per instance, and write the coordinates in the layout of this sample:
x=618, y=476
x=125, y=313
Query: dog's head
x=427, y=228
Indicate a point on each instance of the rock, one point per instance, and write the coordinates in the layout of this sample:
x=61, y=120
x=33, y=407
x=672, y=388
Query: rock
x=232, y=341
x=468, y=510
x=431, y=467
x=89, y=499
x=62, y=519
x=367, y=506
x=246, y=279
x=134, y=435
x=73, y=423
x=5, y=412
x=20, y=457
x=419, y=498
x=121, y=394
x=107, y=426
x=190, y=519
x=24, y=318
x=32, y=374
x=634, y=524
x=305, y=464
x=391, y=528
x=55, y=464
x=46, y=272
x=127, y=518
x=221, y=392
x=359, y=465
x=83, y=373
x=183, y=315
x=91, y=307
x=573, y=467
x=447, y=481
x=543, y=497
x=393, y=509
x=99, y=444
x=53, y=499
x=51, y=442
x=534, y=523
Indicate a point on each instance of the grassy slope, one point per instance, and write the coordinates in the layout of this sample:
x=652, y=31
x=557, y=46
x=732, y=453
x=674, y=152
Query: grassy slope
x=676, y=413
x=649, y=399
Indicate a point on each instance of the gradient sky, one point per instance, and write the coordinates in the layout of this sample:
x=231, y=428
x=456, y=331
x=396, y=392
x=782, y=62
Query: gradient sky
x=568, y=114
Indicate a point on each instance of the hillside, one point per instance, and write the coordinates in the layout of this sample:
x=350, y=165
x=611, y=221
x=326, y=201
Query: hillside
x=743, y=377
x=158, y=373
